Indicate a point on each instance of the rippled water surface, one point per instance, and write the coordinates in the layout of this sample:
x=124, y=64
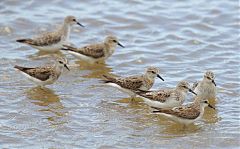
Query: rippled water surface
x=183, y=38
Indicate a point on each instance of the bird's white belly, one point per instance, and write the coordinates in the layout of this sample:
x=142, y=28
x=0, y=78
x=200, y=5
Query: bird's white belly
x=83, y=57
x=129, y=92
x=170, y=103
x=178, y=119
x=50, y=48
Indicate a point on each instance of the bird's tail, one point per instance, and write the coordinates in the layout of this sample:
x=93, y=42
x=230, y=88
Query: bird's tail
x=108, y=79
x=68, y=48
x=27, y=41
x=18, y=67
x=156, y=110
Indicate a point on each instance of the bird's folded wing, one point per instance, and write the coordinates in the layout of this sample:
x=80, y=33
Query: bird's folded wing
x=94, y=51
x=132, y=83
x=161, y=95
x=40, y=73
x=185, y=111
x=46, y=39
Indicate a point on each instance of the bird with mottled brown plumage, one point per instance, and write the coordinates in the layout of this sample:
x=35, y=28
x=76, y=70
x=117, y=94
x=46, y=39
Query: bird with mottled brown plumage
x=52, y=41
x=44, y=75
x=132, y=84
x=96, y=52
x=166, y=98
x=185, y=114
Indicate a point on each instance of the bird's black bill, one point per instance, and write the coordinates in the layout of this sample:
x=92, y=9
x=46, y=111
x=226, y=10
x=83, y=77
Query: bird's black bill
x=160, y=77
x=190, y=90
x=214, y=82
x=80, y=24
x=66, y=67
x=210, y=106
x=121, y=45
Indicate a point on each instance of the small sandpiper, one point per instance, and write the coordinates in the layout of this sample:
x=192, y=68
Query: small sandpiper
x=45, y=75
x=95, y=52
x=185, y=114
x=167, y=98
x=207, y=87
x=134, y=83
x=52, y=41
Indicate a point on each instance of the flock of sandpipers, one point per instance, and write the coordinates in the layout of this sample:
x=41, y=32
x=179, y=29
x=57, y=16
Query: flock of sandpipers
x=167, y=102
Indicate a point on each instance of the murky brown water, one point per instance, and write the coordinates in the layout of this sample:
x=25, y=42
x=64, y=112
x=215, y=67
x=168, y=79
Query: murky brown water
x=183, y=38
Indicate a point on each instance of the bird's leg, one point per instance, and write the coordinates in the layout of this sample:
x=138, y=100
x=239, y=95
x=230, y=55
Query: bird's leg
x=41, y=87
x=132, y=98
x=184, y=126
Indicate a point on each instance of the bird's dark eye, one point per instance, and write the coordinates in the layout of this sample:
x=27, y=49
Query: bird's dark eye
x=208, y=78
x=60, y=62
x=114, y=40
x=153, y=72
x=205, y=102
x=74, y=19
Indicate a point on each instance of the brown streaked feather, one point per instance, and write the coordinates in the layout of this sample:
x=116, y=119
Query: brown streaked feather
x=160, y=95
x=40, y=73
x=46, y=39
x=27, y=41
x=133, y=82
x=186, y=111
x=109, y=79
x=94, y=51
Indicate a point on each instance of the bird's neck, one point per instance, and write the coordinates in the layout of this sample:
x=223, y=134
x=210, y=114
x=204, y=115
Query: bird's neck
x=149, y=79
x=65, y=31
x=109, y=49
x=201, y=110
x=58, y=68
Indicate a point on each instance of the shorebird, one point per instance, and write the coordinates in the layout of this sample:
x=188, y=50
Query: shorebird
x=207, y=87
x=167, y=98
x=134, y=83
x=185, y=114
x=52, y=41
x=44, y=75
x=95, y=52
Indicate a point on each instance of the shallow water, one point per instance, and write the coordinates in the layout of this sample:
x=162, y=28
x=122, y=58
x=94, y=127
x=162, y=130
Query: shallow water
x=183, y=38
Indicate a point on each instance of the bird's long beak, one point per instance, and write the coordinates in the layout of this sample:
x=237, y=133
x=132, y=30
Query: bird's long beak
x=160, y=77
x=210, y=106
x=66, y=67
x=79, y=24
x=120, y=45
x=214, y=82
x=190, y=90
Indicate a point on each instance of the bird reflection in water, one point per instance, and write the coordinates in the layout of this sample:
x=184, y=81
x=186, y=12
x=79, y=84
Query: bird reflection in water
x=211, y=116
x=44, y=55
x=49, y=103
x=176, y=129
x=97, y=69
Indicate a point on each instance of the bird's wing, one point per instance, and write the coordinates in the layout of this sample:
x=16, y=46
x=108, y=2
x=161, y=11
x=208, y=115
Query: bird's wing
x=132, y=83
x=161, y=95
x=45, y=39
x=94, y=51
x=185, y=111
x=40, y=73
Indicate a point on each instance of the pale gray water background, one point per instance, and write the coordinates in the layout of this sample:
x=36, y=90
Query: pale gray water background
x=183, y=38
